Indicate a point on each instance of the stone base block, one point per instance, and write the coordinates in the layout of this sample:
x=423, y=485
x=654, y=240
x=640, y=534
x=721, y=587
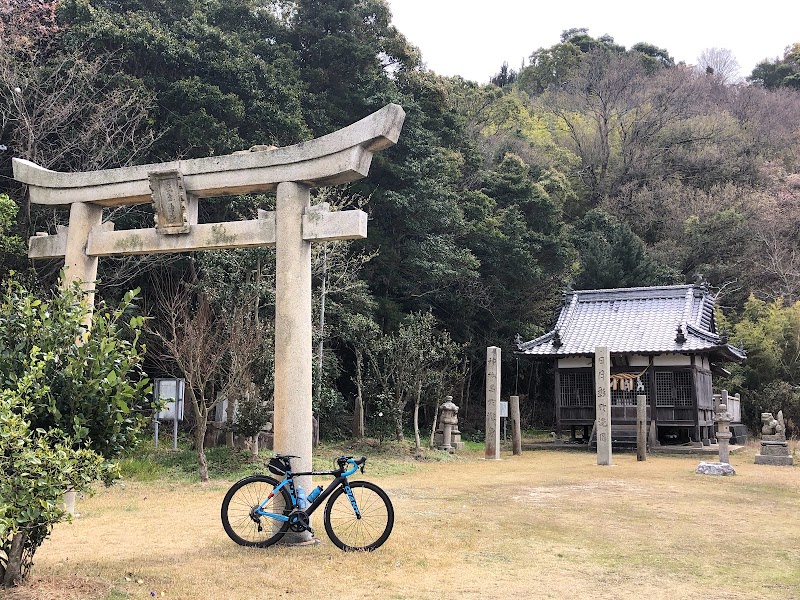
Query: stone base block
x=779, y=461
x=454, y=446
x=775, y=449
x=455, y=440
x=715, y=468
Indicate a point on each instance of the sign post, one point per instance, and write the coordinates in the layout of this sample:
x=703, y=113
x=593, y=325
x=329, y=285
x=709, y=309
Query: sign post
x=171, y=391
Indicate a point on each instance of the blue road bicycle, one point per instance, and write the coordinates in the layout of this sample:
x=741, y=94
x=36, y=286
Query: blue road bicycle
x=258, y=510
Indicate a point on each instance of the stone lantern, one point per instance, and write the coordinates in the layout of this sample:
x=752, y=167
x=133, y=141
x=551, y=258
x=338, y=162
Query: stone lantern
x=723, y=433
x=448, y=437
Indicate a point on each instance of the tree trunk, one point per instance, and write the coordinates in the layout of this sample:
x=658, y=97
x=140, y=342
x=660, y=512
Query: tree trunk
x=418, y=444
x=231, y=409
x=254, y=445
x=398, y=427
x=433, y=427
x=358, y=409
x=468, y=368
x=199, y=446
x=399, y=405
x=200, y=427
x=13, y=574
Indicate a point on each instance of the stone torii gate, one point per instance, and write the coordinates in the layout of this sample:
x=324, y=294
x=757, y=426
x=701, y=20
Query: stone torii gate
x=175, y=188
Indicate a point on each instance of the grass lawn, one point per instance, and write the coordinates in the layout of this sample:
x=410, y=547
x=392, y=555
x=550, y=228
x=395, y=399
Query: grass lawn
x=547, y=524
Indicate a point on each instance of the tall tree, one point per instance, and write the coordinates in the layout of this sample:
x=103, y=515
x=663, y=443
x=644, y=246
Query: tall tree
x=769, y=379
x=719, y=62
x=611, y=255
x=212, y=351
x=223, y=72
x=345, y=48
x=781, y=72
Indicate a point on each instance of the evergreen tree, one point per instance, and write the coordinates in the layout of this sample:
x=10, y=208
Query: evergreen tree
x=612, y=256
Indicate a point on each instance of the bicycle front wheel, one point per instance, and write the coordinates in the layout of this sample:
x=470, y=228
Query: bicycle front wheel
x=239, y=517
x=365, y=531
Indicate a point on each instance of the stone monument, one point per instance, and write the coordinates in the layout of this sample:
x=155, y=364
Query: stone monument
x=448, y=437
x=602, y=378
x=774, y=448
x=492, y=451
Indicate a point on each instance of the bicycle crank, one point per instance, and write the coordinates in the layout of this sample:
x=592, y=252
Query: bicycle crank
x=299, y=521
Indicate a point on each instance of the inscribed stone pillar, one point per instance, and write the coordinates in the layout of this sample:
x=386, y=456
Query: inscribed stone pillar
x=492, y=403
x=602, y=378
x=293, y=350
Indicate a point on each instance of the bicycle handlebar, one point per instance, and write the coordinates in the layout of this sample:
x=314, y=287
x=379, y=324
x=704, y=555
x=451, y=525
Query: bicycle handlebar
x=342, y=461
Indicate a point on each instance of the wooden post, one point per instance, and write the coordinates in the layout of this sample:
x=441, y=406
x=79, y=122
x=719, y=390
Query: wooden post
x=516, y=427
x=602, y=379
x=651, y=389
x=641, y=427
x=557, y=400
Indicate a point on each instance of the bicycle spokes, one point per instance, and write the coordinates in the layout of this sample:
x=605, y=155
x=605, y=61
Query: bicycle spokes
x=360, y=518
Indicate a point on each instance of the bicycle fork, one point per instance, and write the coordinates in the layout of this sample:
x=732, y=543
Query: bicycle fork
x=352, y=498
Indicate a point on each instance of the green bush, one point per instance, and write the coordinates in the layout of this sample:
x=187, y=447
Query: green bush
x=38, y=466
x=71, y=401
x=97, y=391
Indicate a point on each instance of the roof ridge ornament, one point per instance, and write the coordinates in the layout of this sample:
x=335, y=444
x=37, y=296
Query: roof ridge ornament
x=680, y=338
x=518, y=341
x=557, y=343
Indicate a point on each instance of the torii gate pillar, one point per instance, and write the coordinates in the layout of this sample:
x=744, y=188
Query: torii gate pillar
x=293, y=335
x=78, y=266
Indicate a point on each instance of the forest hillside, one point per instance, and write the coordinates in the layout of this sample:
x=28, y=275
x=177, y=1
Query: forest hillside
x=593, y=166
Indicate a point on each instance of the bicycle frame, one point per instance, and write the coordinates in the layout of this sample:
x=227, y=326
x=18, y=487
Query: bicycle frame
x=288, y=482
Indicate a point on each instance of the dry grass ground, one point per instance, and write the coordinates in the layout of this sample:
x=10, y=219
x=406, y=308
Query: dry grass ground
x=543, y=525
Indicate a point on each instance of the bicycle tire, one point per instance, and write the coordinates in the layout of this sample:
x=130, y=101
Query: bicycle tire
x=350, y=533
x=238, y=503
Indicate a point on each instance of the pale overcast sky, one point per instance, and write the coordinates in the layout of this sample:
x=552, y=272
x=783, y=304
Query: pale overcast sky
x=472, y=38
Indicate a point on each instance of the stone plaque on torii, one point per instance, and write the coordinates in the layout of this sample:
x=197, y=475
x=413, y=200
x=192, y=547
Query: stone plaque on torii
x=175, y=189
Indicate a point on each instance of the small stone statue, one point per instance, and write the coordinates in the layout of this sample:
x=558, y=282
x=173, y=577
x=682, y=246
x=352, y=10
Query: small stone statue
x=772, y=427
x=774, y=448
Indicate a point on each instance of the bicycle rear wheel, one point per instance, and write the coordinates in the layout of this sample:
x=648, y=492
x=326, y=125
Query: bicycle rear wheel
x=239, y=518
x=351, y=533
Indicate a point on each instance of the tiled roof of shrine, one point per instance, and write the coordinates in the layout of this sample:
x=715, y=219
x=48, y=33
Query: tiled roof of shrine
x=645, y=320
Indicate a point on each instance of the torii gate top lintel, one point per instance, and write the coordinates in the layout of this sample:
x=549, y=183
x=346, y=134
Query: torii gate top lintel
x=339, y=157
